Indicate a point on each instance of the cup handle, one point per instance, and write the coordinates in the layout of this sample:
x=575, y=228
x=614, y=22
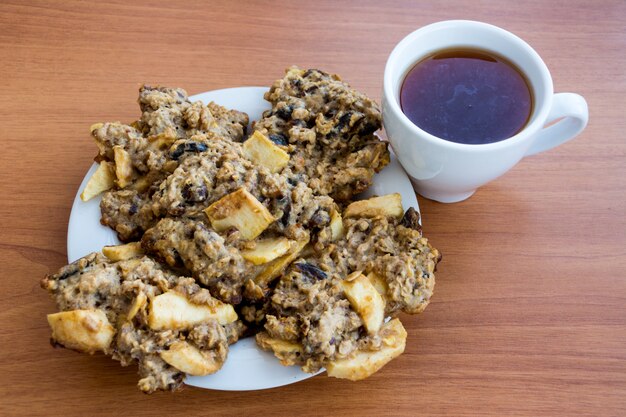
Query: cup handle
x=573, y=113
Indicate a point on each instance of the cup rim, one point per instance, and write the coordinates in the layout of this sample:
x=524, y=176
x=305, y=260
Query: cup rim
x=527, y=131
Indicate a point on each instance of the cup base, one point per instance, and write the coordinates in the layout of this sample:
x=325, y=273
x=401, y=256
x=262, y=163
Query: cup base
x=442, y=196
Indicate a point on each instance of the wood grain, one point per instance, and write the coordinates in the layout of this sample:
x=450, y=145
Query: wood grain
x=529, y=316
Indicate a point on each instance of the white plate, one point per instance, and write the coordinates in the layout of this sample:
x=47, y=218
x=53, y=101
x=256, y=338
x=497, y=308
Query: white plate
x=247, y=367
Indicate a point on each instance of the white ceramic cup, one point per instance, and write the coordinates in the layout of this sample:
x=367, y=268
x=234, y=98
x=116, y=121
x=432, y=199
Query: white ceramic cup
x=447, y=171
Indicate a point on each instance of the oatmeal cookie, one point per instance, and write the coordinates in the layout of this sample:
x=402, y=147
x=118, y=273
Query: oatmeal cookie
x=329, y=128
x=171, y=128
x=138, y=312
x=314, y=318
x=394, y=251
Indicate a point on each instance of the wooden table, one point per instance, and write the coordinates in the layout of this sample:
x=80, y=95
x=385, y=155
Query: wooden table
x=529, y=316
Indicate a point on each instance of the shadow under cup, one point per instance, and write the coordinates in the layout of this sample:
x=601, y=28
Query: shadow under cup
x=448, y=171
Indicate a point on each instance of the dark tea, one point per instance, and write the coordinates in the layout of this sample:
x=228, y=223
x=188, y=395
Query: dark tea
x=467, y=96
